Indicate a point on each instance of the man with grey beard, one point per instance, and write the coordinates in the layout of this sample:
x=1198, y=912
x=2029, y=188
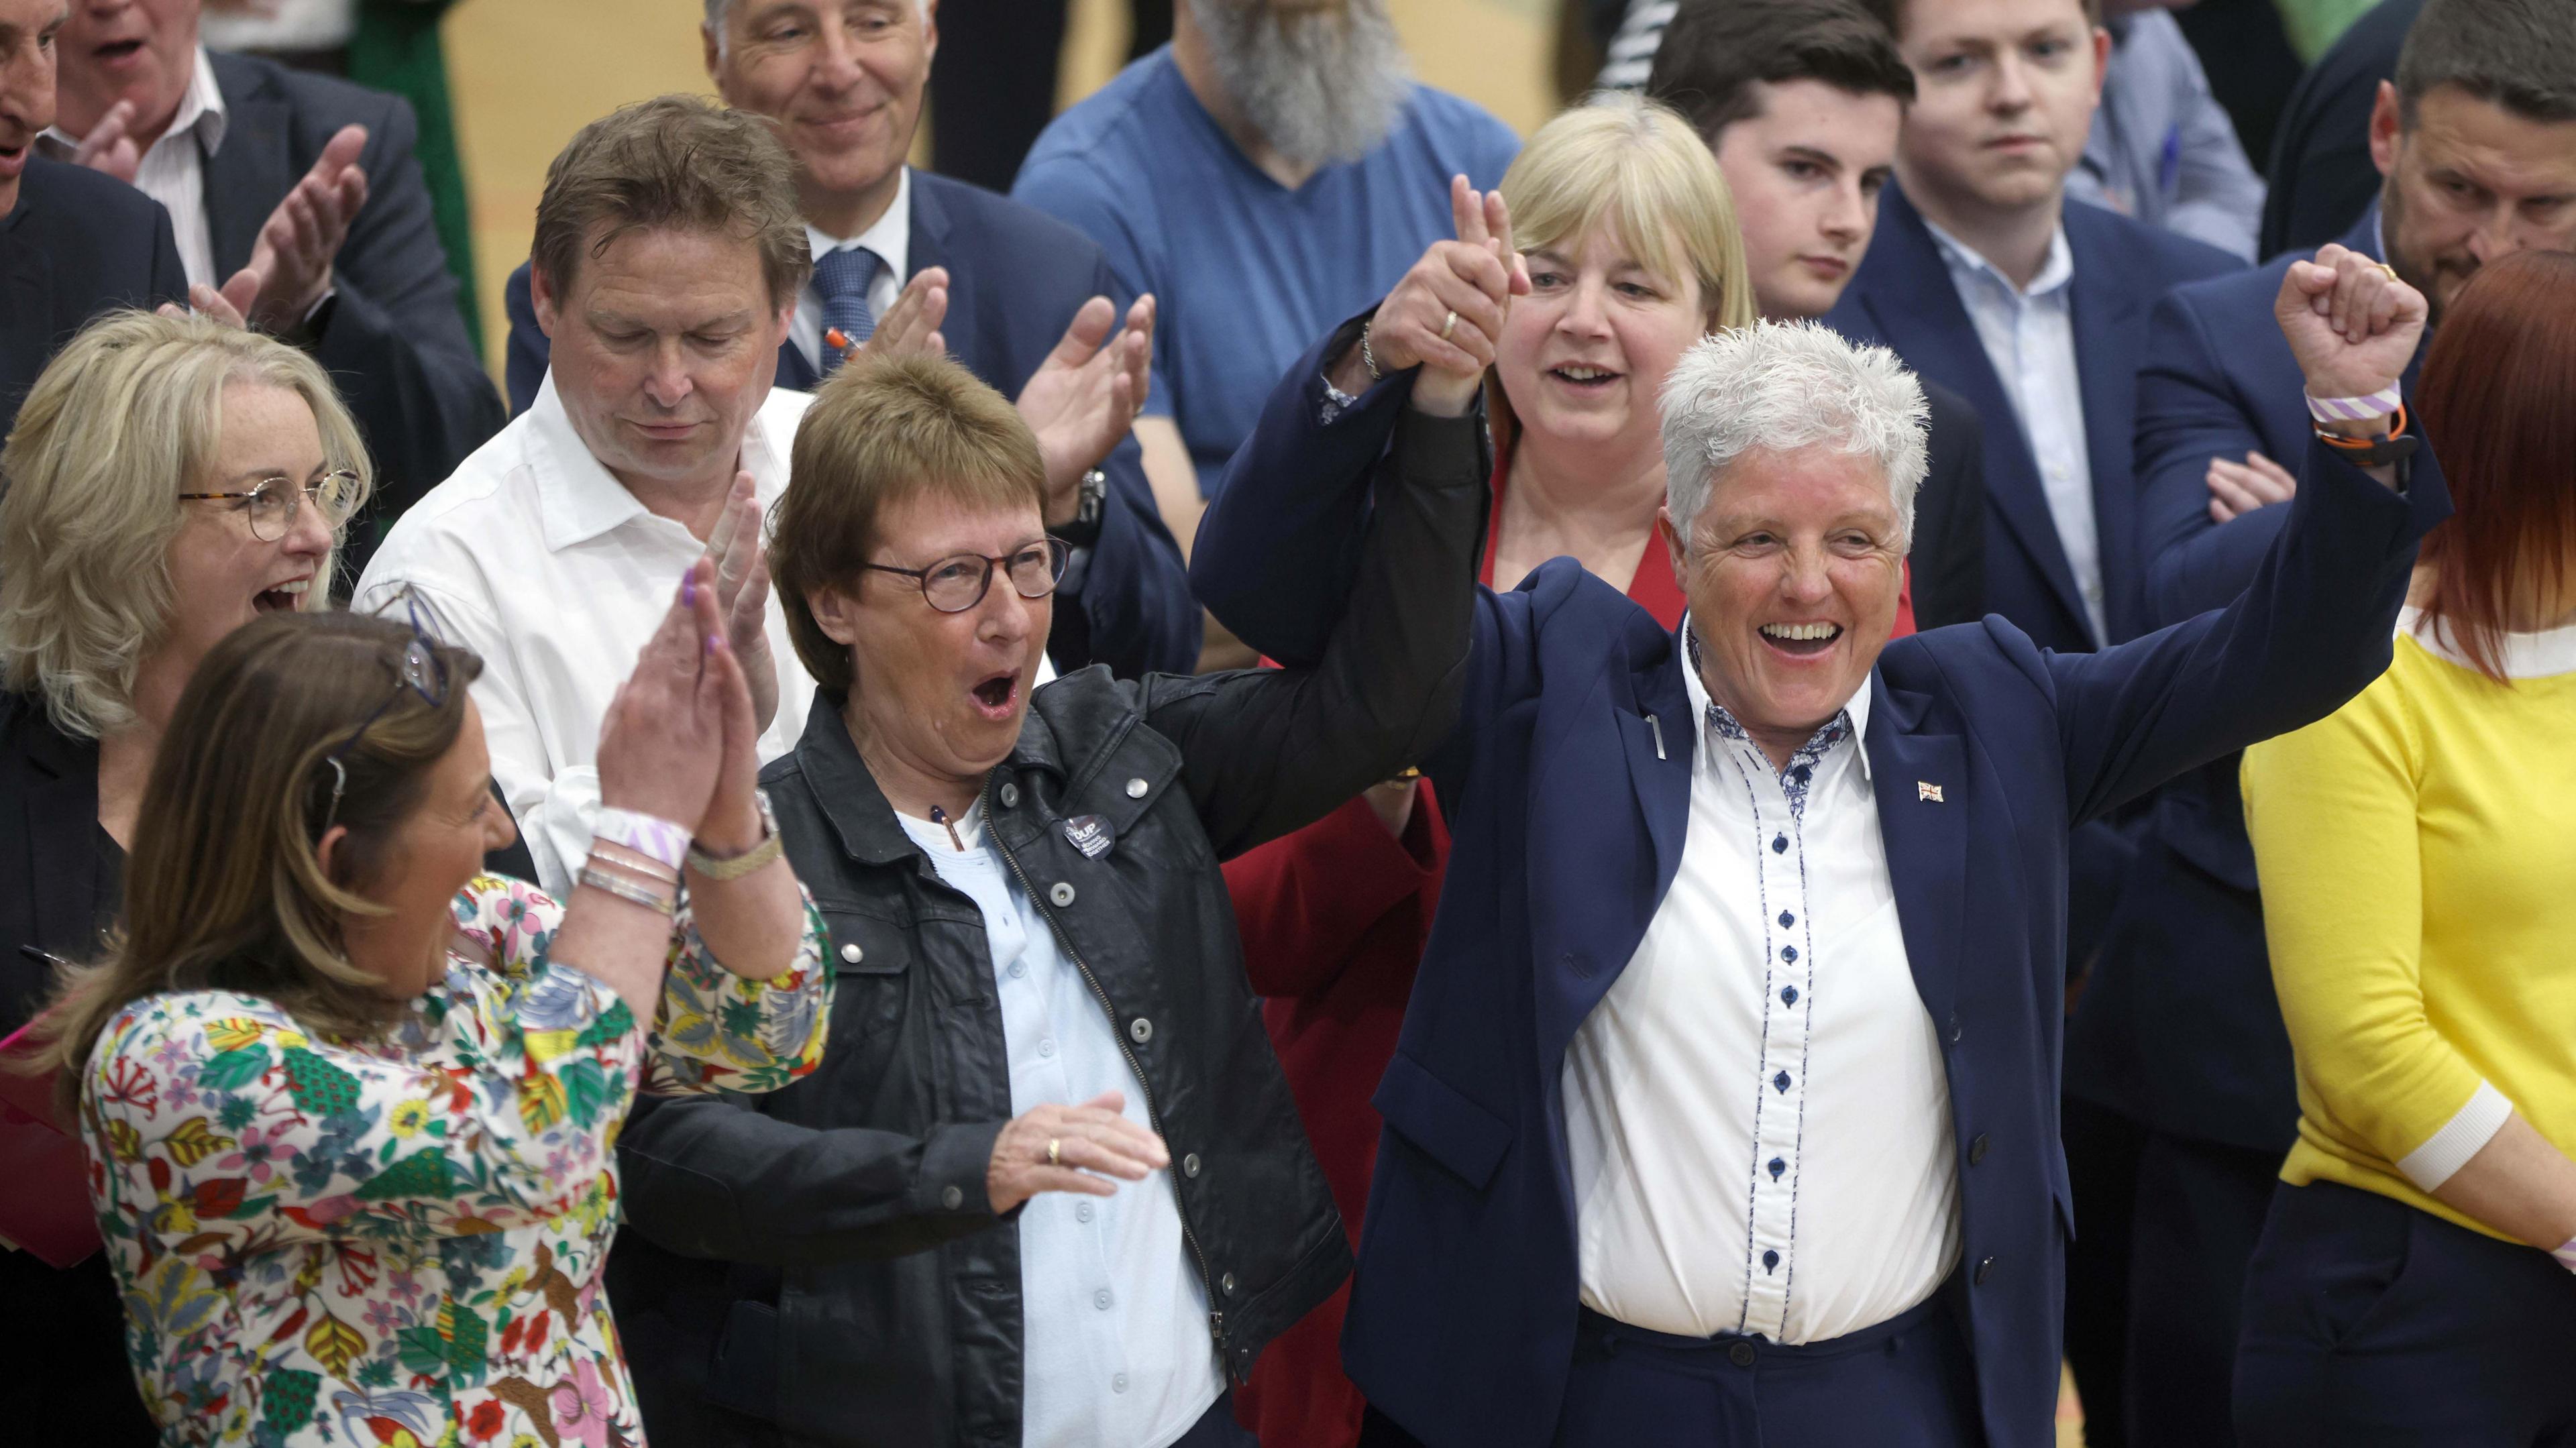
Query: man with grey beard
x=1268, y=174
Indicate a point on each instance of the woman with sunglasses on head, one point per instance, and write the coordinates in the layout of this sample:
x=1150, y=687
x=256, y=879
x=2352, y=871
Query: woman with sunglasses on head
x=349, y=1101
x=168, y=480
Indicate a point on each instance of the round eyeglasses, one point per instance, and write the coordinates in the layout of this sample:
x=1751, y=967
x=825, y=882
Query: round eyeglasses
x=272, y=502
x=954, y=585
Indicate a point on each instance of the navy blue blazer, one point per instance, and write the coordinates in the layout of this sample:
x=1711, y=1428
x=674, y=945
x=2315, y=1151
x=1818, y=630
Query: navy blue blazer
x=392, y=339
x=76, y=244
x=1902, y=297
x=1567, y=828
x=2179, y=1028
x=1016, y=276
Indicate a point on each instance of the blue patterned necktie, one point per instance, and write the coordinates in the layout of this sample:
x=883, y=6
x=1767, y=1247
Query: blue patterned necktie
x=842, y=278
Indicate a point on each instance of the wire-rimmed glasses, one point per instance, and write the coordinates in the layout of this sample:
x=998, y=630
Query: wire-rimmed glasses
x=956, y=584
x=420, y=670
x=271, y=503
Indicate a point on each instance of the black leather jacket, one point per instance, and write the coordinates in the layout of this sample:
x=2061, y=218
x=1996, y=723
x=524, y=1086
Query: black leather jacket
x=849, y=1288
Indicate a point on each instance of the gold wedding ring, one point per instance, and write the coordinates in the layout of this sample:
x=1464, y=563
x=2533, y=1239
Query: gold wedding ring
x=2392, y=271
x=1448, y=326
x=1055, y=1151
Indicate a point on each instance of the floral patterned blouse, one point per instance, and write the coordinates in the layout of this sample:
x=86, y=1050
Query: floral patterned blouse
x=401, y=1243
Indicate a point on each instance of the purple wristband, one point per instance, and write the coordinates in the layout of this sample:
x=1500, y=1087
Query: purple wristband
x=657, y=839
x=2356, y=409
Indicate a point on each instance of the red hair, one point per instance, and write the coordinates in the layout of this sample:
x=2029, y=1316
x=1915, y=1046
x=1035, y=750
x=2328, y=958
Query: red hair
x=2494, y=397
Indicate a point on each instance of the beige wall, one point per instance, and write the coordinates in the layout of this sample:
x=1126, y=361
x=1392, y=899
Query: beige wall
x=529, y=73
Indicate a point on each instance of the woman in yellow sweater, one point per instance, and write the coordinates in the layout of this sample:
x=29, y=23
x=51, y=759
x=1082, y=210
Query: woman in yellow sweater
x=2418, y=860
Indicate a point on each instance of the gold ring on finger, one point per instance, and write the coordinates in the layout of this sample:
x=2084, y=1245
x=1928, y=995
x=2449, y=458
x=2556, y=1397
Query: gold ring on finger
x=1448, y=326
x=1055, y=1151
x=2392, y=271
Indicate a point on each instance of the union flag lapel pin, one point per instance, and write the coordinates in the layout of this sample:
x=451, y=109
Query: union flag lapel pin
x=1924, y=789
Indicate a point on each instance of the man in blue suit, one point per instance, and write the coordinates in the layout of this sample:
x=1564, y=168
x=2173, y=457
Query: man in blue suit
x=905, y=258
x=1725, y=1111
x=2178, y=1032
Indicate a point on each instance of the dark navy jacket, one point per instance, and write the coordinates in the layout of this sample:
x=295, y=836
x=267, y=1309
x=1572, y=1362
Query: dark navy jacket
x=76, y=244
x=1568, y=828
x=1016, y=276
x=2179, y=1028
x=1902, y=296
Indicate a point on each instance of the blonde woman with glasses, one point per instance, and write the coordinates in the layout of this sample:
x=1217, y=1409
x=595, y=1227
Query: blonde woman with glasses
x=168, y=480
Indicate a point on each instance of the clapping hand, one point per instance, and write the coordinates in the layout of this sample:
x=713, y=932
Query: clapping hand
x=1446, y=315
x=673, y=727
x=911, y=325
x=2352, y=324
x=110, y=147
x=742, y=593
x=290, y=265
x=1085, y=396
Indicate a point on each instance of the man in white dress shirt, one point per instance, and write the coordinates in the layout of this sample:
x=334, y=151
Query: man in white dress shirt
x=669, y=254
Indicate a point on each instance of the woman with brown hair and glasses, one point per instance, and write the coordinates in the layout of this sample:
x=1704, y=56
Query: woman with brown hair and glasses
x=348, y=1101
x=168, y=480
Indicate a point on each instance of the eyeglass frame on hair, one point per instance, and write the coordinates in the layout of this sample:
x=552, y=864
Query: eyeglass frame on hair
x=298, y=494
x=1059, y=554
x=421, y=671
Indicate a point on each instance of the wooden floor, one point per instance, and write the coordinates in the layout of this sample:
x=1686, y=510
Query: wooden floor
x=528, y=73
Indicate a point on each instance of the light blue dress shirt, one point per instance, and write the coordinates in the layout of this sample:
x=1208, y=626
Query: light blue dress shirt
x=1116, y=1346
x=2029, y=336
x=2162, y=150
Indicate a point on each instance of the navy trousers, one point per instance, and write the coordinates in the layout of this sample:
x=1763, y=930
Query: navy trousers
x=2369, y=1324
x=1906, y=1383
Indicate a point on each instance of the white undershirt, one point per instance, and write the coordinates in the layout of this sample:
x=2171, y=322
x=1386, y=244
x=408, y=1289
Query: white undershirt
x=1756, y=1113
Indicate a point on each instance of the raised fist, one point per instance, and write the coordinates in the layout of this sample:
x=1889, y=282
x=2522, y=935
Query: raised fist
x=2351, y=323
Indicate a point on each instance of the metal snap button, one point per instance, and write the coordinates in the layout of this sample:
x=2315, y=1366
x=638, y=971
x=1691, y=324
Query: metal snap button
x=1061, y=893
x=1140, y=1030
x=952, y=1198
x=852, y=955
x=1010, y=796
x=1189, y=1163
x=1135, y=789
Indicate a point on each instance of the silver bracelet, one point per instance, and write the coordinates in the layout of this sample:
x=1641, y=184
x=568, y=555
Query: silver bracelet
x=628, y=891
x=1368, y=359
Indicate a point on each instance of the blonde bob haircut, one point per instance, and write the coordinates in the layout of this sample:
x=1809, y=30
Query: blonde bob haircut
x=123, y=420
x=1636, y=166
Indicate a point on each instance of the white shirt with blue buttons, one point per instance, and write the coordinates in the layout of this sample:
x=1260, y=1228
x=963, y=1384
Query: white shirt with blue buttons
x=2029, y=336
x=1116, y=1346
x=1756, y=1112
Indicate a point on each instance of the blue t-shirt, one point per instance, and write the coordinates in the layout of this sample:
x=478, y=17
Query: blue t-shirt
x=1246, y=274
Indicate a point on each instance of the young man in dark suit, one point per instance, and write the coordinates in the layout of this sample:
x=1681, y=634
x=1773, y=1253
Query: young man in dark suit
x=1801, y=101
x=298, y=195
x=1986, y=278
x=72, y=244
x=2179, y=1033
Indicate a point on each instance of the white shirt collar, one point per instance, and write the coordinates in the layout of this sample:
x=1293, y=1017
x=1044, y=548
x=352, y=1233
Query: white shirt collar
x=201, y=110
x=578, y=498
x=2524, y=655
x=890, y=237
x=2054, y=273
x=1856, y=708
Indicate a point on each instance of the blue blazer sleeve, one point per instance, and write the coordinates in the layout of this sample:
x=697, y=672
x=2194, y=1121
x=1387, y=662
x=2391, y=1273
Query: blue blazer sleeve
x=1279, y=544
x=2189, y=413
x=530, y=353
x=2310, y=631
x=1134, y=611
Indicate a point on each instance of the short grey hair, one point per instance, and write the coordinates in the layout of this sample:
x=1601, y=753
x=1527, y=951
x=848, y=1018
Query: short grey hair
x=716, y=10
x=1779, y=386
